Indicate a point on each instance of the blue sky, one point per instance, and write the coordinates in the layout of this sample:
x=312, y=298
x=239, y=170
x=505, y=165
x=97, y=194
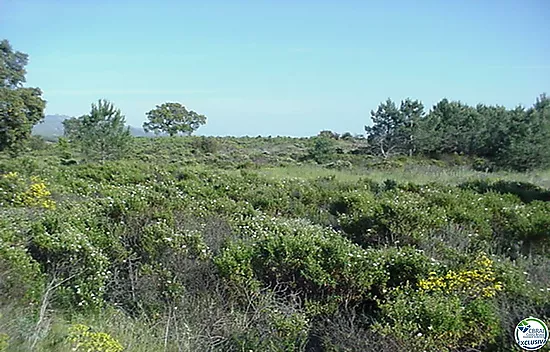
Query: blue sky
x=280, y=67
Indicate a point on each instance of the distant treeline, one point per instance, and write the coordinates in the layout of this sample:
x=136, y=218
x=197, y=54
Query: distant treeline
x=516, y=139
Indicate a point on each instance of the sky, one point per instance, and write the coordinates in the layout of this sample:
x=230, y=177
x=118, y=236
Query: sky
x=279, y=67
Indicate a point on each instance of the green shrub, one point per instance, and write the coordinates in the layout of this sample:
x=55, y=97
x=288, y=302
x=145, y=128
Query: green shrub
x=305, y=258
x=527, y=192
x=438, y=321
x=84, y=338
x=70, y=246
x=393, y=217
x=37, y=143
x=17, y=191
x=4, y=342
x=477, y=281
x=280, y=331
x=20, y=275
x=270, y=259
x=321, y=150
x=205, y=144
x=481, y=164
x=404, y=266
x=339, y=165
x=529, y=224
x=116, y=172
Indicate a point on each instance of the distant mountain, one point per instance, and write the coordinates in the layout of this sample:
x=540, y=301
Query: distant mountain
x=52, y=127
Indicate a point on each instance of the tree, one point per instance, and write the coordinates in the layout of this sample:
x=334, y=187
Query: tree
x=450, y=127
x=102, y=135
x=493, y=134
x=393, y=128
x=321, y=149
x=20, y=108
x=528, y=138
x=173, y=118
x=412, y=112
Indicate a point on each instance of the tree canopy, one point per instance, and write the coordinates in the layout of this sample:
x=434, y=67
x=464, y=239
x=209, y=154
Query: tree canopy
x=20, y=108
x=393, y=127
x=173, y=118
x=516, y=138
x=102, y=134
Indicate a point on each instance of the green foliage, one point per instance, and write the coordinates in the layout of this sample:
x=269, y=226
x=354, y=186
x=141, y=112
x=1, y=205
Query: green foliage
x=20, y=108
x=322, y=149
x=529, y=138
x=527, y=224
x=303, y=257
x=329, y=134
x=70, y=248
x=12, y=67
x=346, y=136
x=4, y=342
x=205, y=144
x=102, y=134
x=84, y=338
x=17, y=191
x=20, y=274
x=173, y=118
x=339, y=165
x=64, y=150
x=395, y=216
x=185, y=247
x=452, y=127
x=37, y=143
x=392, y=127
x=281, y=331
x=515, y=139
x=527, y=192
x=439, y=322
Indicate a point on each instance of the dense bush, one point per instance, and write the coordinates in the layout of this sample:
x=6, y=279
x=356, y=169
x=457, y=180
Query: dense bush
x=306, y=258
x=84, y=338
x=15, y=190
x=527, y=192
x=322, y=149
x=205, y=144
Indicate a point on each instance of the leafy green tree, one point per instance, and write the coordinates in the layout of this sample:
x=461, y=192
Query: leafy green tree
x=12, y=67
x=173, y=118
x=383, y=134
x=72, y=128
x=412, y=111
x=20, y=108
x=450, y=127
x=102, y=135
x=528, y=139
x=516, y=139
x=392, y=130
x=493, y=131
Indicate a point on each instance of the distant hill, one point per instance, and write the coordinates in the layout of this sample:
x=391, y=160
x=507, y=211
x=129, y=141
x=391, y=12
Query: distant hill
x=52, y=127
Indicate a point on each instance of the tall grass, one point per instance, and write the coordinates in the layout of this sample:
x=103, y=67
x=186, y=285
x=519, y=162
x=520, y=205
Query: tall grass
x=420, y=174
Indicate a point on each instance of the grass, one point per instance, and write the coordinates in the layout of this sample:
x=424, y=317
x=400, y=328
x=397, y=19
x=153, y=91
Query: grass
x=415, y=174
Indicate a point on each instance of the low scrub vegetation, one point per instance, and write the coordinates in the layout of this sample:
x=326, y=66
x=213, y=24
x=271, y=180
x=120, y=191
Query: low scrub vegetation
x=198, y=256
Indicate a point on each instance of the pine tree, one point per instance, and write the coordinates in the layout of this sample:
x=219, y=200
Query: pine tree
x=102, y=135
